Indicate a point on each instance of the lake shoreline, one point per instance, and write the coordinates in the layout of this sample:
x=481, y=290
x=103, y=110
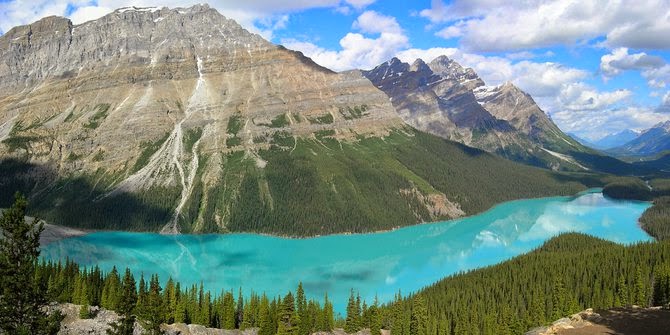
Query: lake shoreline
x=53, y=233
x=58, y=232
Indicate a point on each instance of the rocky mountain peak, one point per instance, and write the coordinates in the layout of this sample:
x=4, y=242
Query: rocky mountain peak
x=419, y=66
x=54, y=48
x=663, y=125
x=445, y=66
x=450, y=69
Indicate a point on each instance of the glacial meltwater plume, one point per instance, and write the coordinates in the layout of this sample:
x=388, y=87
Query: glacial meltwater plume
x=375, y=264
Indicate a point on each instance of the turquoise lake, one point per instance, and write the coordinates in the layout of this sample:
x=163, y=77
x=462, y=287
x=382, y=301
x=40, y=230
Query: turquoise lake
x=374, y=264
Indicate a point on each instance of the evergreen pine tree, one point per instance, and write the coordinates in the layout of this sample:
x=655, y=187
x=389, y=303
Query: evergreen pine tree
x=559, y=299
x=239, y=311
x=266, y=326
x=141, y=306
x=170, y=301
x=286, y=324
x=301, y=302
x=326, y=321
x=640, y=289
x=351, y=322
x=228, y=312
x=419, y=320
x=375, y=318
x=84, y=300
x=125, y=307
x=180, y=312
x=154, y=311
x=111, y=290
x=21, y=298
x=622, y=292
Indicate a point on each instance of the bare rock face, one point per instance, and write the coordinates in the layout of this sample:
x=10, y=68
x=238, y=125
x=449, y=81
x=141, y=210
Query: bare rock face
x=139, y=73
x=139, y=97
x=579, y=320
x=450, y=101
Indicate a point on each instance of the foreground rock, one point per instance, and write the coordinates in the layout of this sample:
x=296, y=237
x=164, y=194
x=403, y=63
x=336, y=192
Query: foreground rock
x=576, y=321
x=629, y=321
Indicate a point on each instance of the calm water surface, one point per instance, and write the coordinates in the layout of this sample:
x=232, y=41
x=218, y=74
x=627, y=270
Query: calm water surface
x=381, y=263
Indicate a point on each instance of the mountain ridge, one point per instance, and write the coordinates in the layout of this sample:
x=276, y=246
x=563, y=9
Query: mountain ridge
x=649, y=142
x=452, y=102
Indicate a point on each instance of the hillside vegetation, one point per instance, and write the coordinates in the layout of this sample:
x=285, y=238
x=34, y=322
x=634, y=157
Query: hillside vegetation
x=305, y=186
x=567, y=274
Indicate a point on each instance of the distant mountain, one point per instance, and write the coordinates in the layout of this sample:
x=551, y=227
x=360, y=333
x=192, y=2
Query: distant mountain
x=179, y=120
x=581, y=140
x=450, y=101
x=616, y=140
x=650, y=142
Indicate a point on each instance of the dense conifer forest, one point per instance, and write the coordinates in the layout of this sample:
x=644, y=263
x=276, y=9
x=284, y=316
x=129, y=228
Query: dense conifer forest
x=568, y=273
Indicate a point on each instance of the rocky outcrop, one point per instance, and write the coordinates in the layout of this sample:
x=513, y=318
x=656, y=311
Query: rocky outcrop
x=73, y=325
x=582, y=319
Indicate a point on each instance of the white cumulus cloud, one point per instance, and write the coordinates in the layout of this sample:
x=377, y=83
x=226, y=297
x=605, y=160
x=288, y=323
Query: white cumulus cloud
x=582, y=97
x=620, y=60
x=359, y=50
x=372, y=22
x=497, y=25
x=658, y=77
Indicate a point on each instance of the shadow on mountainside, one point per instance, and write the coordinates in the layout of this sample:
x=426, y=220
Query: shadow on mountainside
x=79, y=200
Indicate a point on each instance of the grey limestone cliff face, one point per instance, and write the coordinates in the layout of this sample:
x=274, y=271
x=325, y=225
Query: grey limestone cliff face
x=157, y=97
x=451, y=101
x=139, y=73
x=128, y=40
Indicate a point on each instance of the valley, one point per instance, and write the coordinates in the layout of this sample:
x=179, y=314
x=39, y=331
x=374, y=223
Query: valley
x=194, y=173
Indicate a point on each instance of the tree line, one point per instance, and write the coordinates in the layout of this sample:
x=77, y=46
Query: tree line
x=569, y=273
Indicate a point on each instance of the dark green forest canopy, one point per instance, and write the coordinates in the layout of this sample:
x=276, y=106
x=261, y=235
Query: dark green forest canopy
x=567, y=274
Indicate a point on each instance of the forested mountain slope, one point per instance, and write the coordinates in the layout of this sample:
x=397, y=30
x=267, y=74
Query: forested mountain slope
x=179, y=120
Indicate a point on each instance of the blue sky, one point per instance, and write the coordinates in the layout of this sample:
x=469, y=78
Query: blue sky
x=595, y=66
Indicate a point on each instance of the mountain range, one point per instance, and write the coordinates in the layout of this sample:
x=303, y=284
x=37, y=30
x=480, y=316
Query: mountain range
x=650, y=142
x=614, y=140
x=452, y=102
x=179, y=120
